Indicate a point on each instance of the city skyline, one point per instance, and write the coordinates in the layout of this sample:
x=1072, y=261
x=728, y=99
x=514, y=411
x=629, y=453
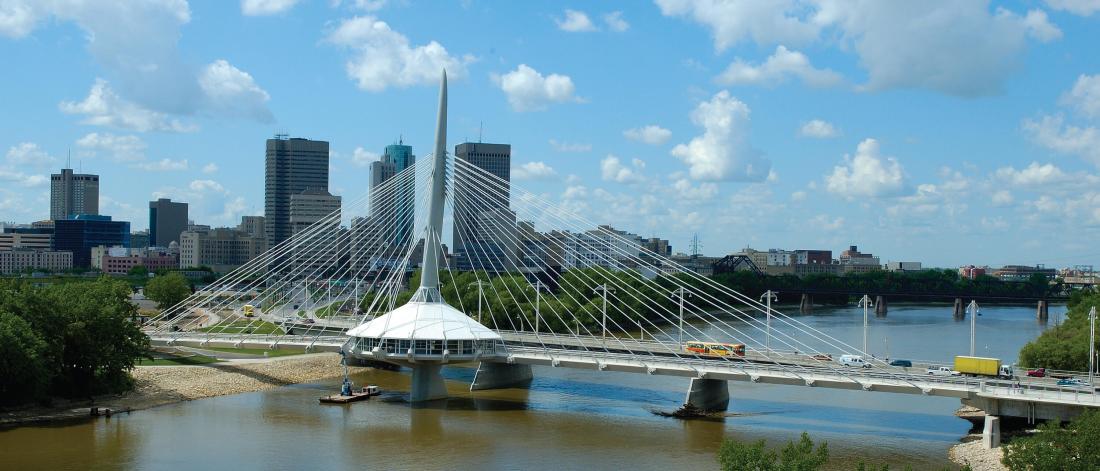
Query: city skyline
x=780, y=138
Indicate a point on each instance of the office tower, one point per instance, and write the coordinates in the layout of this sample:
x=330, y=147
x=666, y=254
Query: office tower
x=253, y=225
x=222, y=249
x=392, y=207
x=316, y=211
x=484, y=236
x=167, y=220
x=73, y=194
x=293, y=165
x=80, y=234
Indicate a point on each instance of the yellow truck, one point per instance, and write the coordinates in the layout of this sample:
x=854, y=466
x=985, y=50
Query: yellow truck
x=979, y=366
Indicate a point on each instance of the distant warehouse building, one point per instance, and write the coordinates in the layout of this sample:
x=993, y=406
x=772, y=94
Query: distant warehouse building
x=1023, y=272
x=20, y=259
x=903, y=266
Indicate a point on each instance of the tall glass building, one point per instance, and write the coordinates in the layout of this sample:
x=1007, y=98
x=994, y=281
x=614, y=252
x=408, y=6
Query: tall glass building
x=293, y=165
x=80, y=234
x=393, y=205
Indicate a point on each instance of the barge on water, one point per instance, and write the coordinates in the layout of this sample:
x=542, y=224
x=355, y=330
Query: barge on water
x=351, y=396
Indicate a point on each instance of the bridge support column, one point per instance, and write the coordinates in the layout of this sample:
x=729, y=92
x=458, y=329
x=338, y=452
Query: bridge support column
x=1041, y=311
x=991, y=433
x=806, y=306
x=880, y=306
x=500, y=375
x=708, y=394
x=427, y=383
x=959, y=310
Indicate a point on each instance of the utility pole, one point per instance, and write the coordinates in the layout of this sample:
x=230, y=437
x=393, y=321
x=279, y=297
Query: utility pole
x=479, y=284
x=768, y=297
x=681, y=293
x=973, y=308
x=866, y=303
x=1092, y=343
x=603, y=324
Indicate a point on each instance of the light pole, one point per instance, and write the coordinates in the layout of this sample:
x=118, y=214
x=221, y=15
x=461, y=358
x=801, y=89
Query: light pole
x=1092, y=342
x=603, y=324
x=866, y=303
x=768, y=297
x=680, y=294
x=479, y=284
x=973, y=308
x=538, y=291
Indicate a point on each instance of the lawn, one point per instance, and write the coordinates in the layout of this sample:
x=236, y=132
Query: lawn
x=243, y=326
x=177, y=361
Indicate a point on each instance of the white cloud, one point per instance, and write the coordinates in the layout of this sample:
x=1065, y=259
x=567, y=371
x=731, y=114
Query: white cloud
x=533, y=171
x=1002, y=198
x=776, y=69
x=233, y=209
x=819, y=129
x=1039, y=26
x=867, y=174
x=363, y=158
x=266, y=7
x=128, y=148
x=28, y=154
x=651, y=134
x=732, y=22
x=164, y=165
x=210, y=168
x=103, y=107
x=1085, y=96
x=529, y=90
x=207, y=186
x=575, y=21
x=798, y=196
x=686, y=191
x=382, y=58
x=569, y=146
x=17, y=19
x=722, y=152
x=575, y=192
x=232, y=92
x=1033, y=175
x=22, y=179
x=615, y=22
x=826, y=223
x=1051, y=132
x=1077, y=7
x=613, y=169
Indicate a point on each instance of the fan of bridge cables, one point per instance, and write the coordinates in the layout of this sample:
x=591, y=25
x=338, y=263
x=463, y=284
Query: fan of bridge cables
x=519, y=263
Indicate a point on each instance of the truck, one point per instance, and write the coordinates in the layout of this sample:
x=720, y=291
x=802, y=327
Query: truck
x=979, y=366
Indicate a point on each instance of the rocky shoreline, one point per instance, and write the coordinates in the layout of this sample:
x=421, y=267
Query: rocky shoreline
x=971, y=452
x=159, y=385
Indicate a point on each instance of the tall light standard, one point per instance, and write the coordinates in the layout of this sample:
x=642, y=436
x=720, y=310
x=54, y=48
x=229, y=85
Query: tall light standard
x=1092, y=342
x=973, y=308
x=681, y=293
x=479, y=284
x=603, y=324
x=768, y=297
x=538, y=292
x=866, y=303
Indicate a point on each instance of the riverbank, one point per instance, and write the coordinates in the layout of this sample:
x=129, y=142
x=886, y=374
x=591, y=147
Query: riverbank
x=972, y=452
x=159, y=385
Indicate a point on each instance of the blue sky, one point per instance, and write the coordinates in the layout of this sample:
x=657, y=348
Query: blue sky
x=949, y=132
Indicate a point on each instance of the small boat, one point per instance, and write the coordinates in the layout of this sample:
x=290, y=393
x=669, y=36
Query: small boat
x=351, y=396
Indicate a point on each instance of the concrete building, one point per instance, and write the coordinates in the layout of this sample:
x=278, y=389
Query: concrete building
x=21, y=259
x=293, y=165
x=26, y=238
x=221, y=249
x=1023, y=272
x=479, y=222
x=167, y=219
x=252, y=225
x=393, y=205
x=972, y=272
x=780, y=258
x=79, y=235
x=151, y=260
x=658, y=246
x=903, y=266
x=318, y=211
x=813, y=257
x=139, y=239
x=603, y=247
x=854, y=261
x=73, y=194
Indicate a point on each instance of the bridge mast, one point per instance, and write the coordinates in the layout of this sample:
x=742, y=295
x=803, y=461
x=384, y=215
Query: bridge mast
x=429, y=276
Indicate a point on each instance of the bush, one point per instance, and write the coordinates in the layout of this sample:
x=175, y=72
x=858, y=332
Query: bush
x=1055, y=447
x=801, y=456
x=168, y=290
x=1065, y=346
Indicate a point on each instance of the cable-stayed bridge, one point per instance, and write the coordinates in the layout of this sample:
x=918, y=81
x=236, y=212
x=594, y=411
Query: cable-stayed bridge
x=529, y=282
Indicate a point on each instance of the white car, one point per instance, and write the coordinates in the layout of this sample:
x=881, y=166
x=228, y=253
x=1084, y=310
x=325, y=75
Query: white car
x=853, y=360
x=942, y=371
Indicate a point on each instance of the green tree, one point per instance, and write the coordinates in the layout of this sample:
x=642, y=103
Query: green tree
x=139, y=271
x=795, y=456
x=23, y=372
x=168, y=290
x=1065, y=346
x=1055, y=447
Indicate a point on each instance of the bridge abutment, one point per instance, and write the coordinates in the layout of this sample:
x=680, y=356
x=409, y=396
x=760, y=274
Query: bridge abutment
x=427, y=383
x=500, y=375
x=991, y=432
x=880, y=306
x=708, y=394
x=1041, y=311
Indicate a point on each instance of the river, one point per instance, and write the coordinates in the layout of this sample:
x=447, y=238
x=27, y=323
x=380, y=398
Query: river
x=569, y=419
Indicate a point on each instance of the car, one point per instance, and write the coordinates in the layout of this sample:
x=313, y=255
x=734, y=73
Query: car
x=1071, y=382
x=853, y=360
x=902, y=363
x=823, y=357
x=942, y=371
x=1037, y=373
x=309, y=321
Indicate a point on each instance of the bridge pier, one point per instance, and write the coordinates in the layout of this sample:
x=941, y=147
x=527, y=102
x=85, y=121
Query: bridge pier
x=991, y=432
x=806, y=306
x=500, y=375
x=1041, y=311
x=427, y=383
x=880, y=306
x=708, y=394
x=959, y=310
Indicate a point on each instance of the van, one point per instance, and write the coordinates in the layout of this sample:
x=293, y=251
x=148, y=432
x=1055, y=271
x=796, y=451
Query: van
x=853, y=360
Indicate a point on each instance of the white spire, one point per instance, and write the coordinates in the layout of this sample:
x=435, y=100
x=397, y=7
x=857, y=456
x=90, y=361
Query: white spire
x=429, y=276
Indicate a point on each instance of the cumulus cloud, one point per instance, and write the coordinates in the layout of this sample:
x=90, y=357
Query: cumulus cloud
x=128, y=148
x=819, y=129
x=569, y=146
x=1084, y=96
x=722, y=152
x=266, y=7
x=867, y=174
x=1077, y=7
x=28, y=154
x=575, y=21
x=776, y=69
x=533, y=171
x=230, y=91
x=733, y=22
x=164, y=165
x=103, y=107
x=685, y=190
x=383, y=58
x=826, y=223
x=1052, y=132
x=207, y=186
x=1001, y=198
x=529, y=90
x=18, y=178
x=652, y=134
x=363, y=158
x=1032, y=175
x=210, y=168
x=615, y=22
x=613, y=169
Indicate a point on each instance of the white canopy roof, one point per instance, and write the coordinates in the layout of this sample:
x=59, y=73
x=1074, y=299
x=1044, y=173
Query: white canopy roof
x=424, y=321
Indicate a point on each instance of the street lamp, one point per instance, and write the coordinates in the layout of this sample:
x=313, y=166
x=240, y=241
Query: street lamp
x=538, y=291
x=866, y=303
x=973, y=308
x=603, y=324
x=479, y=284
x=681, y=293
x=768, y=297
x=1092, y=342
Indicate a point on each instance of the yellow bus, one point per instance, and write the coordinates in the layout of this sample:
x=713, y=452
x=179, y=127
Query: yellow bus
x=715, y=349
x=248, y=310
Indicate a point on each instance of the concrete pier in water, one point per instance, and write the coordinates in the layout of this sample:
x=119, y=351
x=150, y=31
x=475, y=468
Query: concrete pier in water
x=500, y=375
x=708, y=394
x=806, y=306
x=1041, y=311
x=880, y=306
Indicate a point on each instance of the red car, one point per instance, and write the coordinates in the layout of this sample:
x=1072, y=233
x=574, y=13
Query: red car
x=1037, y=373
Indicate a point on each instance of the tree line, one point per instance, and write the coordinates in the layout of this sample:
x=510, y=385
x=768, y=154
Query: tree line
x=1066, y=345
